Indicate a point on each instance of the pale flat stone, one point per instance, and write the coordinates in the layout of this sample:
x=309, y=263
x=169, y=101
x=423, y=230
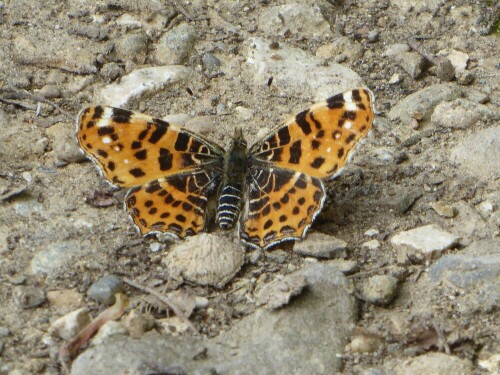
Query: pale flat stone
x=372, y=244
x=428, y=239
x=141, y=82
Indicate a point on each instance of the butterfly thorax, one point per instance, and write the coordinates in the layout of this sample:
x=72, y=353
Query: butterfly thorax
x=233, y=182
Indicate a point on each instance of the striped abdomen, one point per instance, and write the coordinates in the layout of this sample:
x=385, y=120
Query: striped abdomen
x=229, y=206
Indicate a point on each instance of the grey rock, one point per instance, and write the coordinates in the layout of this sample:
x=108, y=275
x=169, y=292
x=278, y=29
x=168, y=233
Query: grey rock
x=411, y=62
x=396, y=49
x=28, y=296
x=133, y=47
x=210, y=62
x=138, y=83
x=343, y=46
x=322, y=314
x=379, y=289
x=112, y=71
x=424, y=101
x=175, y=46
x=65, y=144
x=104, y=289
x=293, y=18
x=462, y=114
x=50, y=91
x=465, y=77
x=57, y=257
x=321, y=245
x=475, y=271
x=478, y=154
x=445, y=70
x=205, y=259
x=373, y=36
x=4, y=332
x=430, y=363
x=428, y=239
x=298, y=73
x=278, y=292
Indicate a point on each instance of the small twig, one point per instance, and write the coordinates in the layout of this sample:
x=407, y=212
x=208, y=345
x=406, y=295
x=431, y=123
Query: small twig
x=40, y=98
x=165, y=300
x=442, y=340
x=186, y=14
x=68, y=351
x=18, y=105
x=58, y=64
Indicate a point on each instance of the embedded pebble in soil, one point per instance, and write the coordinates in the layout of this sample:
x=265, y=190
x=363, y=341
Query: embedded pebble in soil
x=430, y=239
x=205, y=259
x=65, y=298
x=28, y=296
x=431, y=363
x=411, y=62
x=133, y=47
x=175, y=46
x=320, y=245
x=442, y=209
x=291, y=18
x=462, y=114
x=298, y=72
x=141, y=82
x=424, y=101
x=64, y=142
x=475, y=271
x=478, y=153
x=104, y=289
x=379, y=289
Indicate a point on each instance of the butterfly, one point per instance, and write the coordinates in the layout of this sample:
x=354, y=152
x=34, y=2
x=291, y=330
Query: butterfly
x=181, y=182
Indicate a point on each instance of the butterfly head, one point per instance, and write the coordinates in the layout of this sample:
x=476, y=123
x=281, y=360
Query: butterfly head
x=238, y=140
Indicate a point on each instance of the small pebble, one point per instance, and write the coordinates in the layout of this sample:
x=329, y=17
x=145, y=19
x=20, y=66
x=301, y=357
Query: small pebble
x=110, y=328
x=4, y=332
x=65, y=298
x=104, y=289
x=372, y=232
x=70, y=324
x=155, y=247
x=395, y=79
x=365, y=343
x=28, y=296
x=428, y=239
x=112, y=71
x=373, y=36
x=372, y=245
x=321, y=245
x=465, y=78
x=50, y=91
x=210, y=62
x=137, y=323
x=445, y=70
x=442, y=209
x=485, y=209
x=379, y=289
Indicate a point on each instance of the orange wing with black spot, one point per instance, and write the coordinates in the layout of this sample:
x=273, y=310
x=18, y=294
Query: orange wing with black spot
x=320, y=140
x=175, y=205
x=286, y=167
x=132, y=149
x=173, y=172
x=282, y=204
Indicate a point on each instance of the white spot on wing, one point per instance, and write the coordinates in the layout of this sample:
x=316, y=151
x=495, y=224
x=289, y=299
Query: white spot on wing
x=348, y=96
x=106, y=140
x=329, y=149
x=347, y=125
x=351, y=106
x=125, y=161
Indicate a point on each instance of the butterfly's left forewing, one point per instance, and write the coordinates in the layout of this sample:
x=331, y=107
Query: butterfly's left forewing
x=172, y=171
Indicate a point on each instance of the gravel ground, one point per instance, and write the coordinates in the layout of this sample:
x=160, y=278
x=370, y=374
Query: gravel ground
x=400, y=274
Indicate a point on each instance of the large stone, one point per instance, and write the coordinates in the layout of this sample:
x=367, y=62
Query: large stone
x=141, y=82
x=429, y=239
x=478, y=154
x=424, y=101
x=176, y=45
x=462, y=114
x=300, y=19
x=298, y=73
x=267, y=342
